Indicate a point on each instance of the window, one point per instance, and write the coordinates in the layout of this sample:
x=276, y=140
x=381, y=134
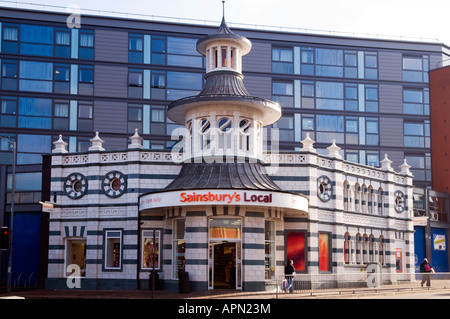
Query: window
x=324, y=252
x=269, y=249
x=371, y=131
x=62, y=43
x=86, y=80
x=62, y=79
x=415, y=68
x=36, y=40
x=85, y=112
x=36, y=76
x=351, y=130
x=30, y=147
x=158, y=55
x=135, y=117
x=135, y=48
x=158, y=85
x=10, y=38
x=179, y=246
x=113, y=249
x=307, y=61
x=371, y=98
x=416, y=101
x=330, y=127
x=417, y=134
x=285, y=126
x=150, y=249
x=86, y=44
x=183, y=52
x=35, y=113
x=9, y=75
x=76, y=255
x=157, y=120
x=329, y=95
x=348, y=249
x=183, y=84
x=61, y=115
x=371, y=66
x=283, y=93
x=282, y=60
x=420, y=166
x=8, y=114
x=329, y=62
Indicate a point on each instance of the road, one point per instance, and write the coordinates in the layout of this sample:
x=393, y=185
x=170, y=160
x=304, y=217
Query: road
x=426, y=294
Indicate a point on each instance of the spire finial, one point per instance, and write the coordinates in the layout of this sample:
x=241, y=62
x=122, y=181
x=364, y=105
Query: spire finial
x=223, y=9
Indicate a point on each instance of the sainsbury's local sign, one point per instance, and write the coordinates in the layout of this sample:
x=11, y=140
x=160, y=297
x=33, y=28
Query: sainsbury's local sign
x=223, y=197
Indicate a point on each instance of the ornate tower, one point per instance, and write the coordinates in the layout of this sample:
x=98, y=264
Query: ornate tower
x=224, y=123
x=223, y=120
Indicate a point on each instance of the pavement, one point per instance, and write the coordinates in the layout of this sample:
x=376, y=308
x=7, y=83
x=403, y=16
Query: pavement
x=342, y=293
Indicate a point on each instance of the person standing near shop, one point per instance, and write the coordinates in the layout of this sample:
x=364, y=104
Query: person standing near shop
x=289, y=272
x=426, y=269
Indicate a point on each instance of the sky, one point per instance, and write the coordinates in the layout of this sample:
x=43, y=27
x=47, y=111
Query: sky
x=421, y=20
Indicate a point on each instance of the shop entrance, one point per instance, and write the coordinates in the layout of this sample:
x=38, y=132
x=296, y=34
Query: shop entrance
x=225, y=265
x=225, y=254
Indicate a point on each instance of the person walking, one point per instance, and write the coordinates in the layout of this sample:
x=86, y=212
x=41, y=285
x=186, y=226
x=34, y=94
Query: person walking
x=426, y=269
x=289, y=272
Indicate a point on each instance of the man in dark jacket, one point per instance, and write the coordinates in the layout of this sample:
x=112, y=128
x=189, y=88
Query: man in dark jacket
x=289, y=272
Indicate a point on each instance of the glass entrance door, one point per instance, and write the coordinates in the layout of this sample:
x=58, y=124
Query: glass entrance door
x=225, y=255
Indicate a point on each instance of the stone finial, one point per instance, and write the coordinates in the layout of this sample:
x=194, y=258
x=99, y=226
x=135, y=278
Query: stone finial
x=386, y=164
x=333, y=150
x=96, y=143
x=136, y=140
x=60, y=146
x=405, y=168
x=308, y=144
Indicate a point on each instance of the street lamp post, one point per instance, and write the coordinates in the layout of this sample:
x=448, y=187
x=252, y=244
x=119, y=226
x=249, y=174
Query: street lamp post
x=14, y=145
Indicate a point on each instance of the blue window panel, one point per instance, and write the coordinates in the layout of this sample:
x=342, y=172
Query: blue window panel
x=34, y=143
x=184, y=80
x=36, y=49
x=35, y=106
x=35, y=86
x=329, y=104
x=35, y=122
x=183, y=60
x=413, y=129
x=334, y=71
x=36, y=34
x=183, y=46
x=7, y=121
x=330, y=123
x=36, y=70
x=135, y=57
x=330, y=90
x=86, y=53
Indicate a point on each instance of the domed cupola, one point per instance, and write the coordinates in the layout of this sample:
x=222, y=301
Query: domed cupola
x=224, y=119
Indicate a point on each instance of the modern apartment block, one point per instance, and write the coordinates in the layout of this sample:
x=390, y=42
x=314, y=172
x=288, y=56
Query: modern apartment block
x=113, y=75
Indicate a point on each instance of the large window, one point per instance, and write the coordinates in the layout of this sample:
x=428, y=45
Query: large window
x=36, y=76
x=113, y=249
x=39, y=40
x=269, y=249
x=179, y=246
x=36, y=40
x=183, y=84
x=415, y=68
x=420, y=166
x=416, y=101
x=35, y=113
x=282, y=60
x=417, y=134
x=150, y=249
x=182, y=52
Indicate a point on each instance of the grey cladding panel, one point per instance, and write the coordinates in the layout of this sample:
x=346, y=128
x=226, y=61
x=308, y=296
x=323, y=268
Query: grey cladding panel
x=396, y=157
x=391, y=98
x=391, y=132
x=111, y=46
x=259, y=86
x=110, y=81
x=390, y=66
x=259, y=59
x=110, y=117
